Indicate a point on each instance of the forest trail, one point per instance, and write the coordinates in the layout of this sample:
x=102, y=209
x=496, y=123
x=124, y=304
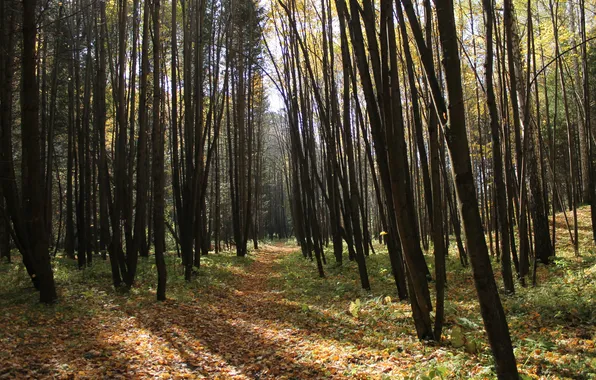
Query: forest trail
x=245, y=332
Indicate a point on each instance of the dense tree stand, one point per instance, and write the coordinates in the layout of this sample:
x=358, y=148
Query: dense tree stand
x=367, y=135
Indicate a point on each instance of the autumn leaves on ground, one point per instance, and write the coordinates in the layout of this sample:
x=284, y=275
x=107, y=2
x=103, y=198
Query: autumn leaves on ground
x=269, y=316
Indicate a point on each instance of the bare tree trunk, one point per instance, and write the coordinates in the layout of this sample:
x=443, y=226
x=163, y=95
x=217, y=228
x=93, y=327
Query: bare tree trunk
x=490, y=303
x=433, y=205
x=387, y=125
x=33, y=198
x=587, y=118
x=9, y=187
x=140, y=235
x=453, y=121
x=497, y=151
x=572, y=194
x=158, y=161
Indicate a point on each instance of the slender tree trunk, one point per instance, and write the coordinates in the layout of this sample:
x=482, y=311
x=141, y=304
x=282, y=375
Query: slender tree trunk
x=490, y=303
x=497, y=151
x=140, y=234
x=158, y=161
x=33, y=198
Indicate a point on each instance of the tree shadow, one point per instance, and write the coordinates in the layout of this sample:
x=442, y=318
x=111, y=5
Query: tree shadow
x=310, y=318
x=41, y=346
x=207, y=335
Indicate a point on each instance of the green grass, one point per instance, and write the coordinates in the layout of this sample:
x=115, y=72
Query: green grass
x=552, y=324
x=95, y=282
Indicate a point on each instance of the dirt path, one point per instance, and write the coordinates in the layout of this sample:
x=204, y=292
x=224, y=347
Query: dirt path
x=261, y=334
x=247, y=333
x=244, y=333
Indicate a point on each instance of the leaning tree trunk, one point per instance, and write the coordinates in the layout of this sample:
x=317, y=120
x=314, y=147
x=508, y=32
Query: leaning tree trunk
x=491, y=309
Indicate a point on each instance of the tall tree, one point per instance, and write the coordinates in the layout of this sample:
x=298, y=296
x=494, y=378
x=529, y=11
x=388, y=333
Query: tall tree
x=501, y=194
x=491, y=309
x=33, y=198
x=157, y=171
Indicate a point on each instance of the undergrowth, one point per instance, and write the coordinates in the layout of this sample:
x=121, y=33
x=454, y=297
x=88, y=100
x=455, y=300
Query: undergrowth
x=551, y=324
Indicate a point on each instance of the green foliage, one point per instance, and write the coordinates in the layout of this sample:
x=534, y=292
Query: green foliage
x=355, y=308
x=94, y=283
x=457, y=337
x=561, y=307
x=435, y=373
x=568, y=297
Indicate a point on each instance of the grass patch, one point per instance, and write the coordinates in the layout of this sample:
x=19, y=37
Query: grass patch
x=552, y=324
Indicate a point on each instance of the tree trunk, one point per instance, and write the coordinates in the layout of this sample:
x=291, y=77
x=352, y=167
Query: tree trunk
x=33, y=198
x=501, y=192
x=158, y=161
x=455, y=133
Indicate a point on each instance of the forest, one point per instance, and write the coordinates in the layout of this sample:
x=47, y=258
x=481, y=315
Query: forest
x=292, y=189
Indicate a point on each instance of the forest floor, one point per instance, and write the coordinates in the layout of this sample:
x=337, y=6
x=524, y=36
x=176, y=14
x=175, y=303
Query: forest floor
x=269, y=316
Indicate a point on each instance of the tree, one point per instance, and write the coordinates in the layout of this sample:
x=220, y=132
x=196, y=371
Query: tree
x=157, y=171
x=491, y=309
x=33, y=198
x=497, y=151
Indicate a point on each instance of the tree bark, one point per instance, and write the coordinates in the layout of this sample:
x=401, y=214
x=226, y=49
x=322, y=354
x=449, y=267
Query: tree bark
x=158, y=161
x=33, y=199
x=455, y=132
